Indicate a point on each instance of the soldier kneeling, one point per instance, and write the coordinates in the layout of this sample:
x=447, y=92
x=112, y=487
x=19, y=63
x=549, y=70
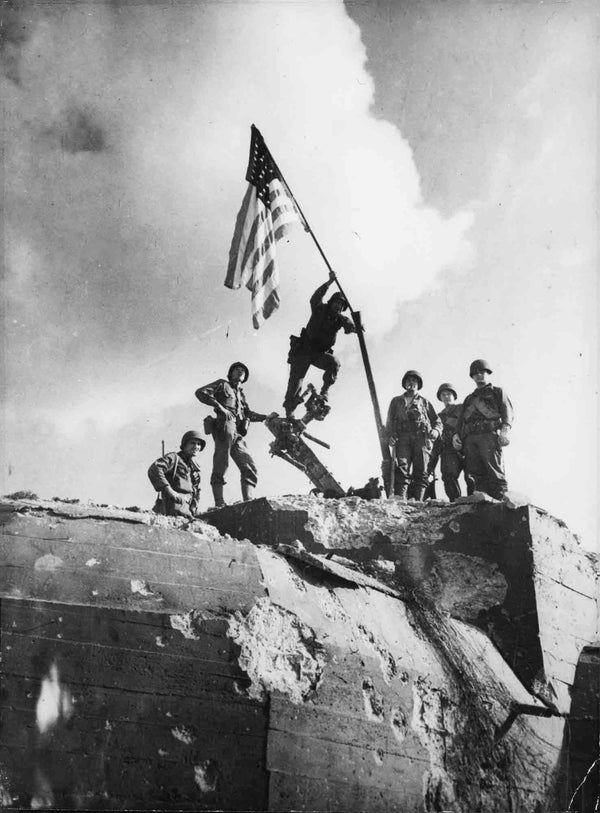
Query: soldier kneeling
x=176, y=477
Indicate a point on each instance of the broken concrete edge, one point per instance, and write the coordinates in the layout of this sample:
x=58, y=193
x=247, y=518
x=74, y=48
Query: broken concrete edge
x=332, y=568
x=72, y=510
x=77, y=509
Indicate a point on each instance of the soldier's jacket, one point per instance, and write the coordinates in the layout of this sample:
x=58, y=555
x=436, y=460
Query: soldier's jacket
x=486, y=409
x=184, y=478
x=233, y=399
x=322, y=328
x=450, y=416
x=419, y=418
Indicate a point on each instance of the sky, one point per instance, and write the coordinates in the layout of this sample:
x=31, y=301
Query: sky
x=444, y=155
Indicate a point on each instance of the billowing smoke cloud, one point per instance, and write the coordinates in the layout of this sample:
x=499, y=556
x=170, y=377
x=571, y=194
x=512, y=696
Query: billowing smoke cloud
x=127, y=139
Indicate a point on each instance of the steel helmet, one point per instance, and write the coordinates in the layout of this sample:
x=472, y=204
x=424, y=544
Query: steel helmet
x=192, y=434
x=338, y=296
x=243, y=366
x=448, y=387
x=479, y=366
x=416, y=375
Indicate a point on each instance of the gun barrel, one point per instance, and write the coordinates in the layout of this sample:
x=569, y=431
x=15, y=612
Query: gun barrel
x=316, y=440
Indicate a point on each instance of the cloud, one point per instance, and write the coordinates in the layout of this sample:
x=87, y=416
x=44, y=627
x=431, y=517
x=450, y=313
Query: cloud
x=127, y=132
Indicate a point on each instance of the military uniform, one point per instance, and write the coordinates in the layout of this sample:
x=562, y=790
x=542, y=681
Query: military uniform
x=183, y=477
x=229, y=430
x=415, y=425
x=314, y=347
x=486, y=411
x=451, y=461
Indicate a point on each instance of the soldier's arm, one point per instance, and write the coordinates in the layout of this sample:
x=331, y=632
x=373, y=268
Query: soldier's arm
x=253, y=417
x=158, y=472
x=506, y=409
x=457, y=437
x=390, y=424
x=207, y=395
x=318, y=295
x=435, y=421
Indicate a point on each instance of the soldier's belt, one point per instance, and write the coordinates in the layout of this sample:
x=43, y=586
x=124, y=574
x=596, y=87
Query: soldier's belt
x=481, y=427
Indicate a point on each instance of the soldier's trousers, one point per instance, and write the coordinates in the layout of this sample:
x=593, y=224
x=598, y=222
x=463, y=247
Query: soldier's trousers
x=451, y=465
x=412, y=452
x=484, y=463
x=299, y=365
x=229, y=444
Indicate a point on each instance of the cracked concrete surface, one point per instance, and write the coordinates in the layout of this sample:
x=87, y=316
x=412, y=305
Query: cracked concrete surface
x=277, y=651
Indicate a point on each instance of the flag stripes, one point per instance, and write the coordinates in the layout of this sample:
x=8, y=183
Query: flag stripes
x=266, y=213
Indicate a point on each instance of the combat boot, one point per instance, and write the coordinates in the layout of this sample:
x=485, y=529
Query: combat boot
x=217, y=490
x=419, y=493
x=401, y=492
x=247, y=492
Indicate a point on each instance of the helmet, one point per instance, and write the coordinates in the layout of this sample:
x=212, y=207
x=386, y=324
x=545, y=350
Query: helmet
x=192, y=435
x=338, y=296
x=416, y=375
x=448, y=387
x=479, y=366
x=243, y=366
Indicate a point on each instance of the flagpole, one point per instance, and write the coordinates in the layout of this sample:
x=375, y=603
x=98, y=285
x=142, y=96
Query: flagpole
x=385, y=450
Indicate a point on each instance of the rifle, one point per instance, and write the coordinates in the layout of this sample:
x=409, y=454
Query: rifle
x=393, y=471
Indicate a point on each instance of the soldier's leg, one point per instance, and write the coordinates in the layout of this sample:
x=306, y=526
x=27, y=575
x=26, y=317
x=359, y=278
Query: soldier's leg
x=421, y=452
x=223, y=437
x=404, y=460
x=451, y=466
x=298, y=368
x=331, y=366
x=431, y=466
x=243, y=460
x=493, y=460
x=475, y=469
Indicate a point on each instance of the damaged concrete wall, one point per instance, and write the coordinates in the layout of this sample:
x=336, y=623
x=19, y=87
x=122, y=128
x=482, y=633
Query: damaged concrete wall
x=147, y=665
x=515, y=572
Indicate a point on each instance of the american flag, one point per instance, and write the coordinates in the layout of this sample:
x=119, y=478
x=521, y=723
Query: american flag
x=268, y=210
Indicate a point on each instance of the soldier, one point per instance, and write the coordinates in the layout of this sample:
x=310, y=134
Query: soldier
x=483, y=430
x=451, y=460
x=176, y=477
x=412, y=425
x=314, y=346
x=229, y=428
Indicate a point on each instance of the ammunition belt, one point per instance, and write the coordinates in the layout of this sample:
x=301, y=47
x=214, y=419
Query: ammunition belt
x=481, y=427
x=413, y=429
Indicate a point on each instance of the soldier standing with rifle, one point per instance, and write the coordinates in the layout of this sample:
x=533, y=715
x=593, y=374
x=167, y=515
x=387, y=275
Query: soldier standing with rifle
x=314, y=346
x=451, y=460
x=483, y=430
x=411, y=427
x=228, y=428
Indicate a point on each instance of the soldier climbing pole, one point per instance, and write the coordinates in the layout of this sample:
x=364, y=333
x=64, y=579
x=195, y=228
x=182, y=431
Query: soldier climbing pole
x=356, y=318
